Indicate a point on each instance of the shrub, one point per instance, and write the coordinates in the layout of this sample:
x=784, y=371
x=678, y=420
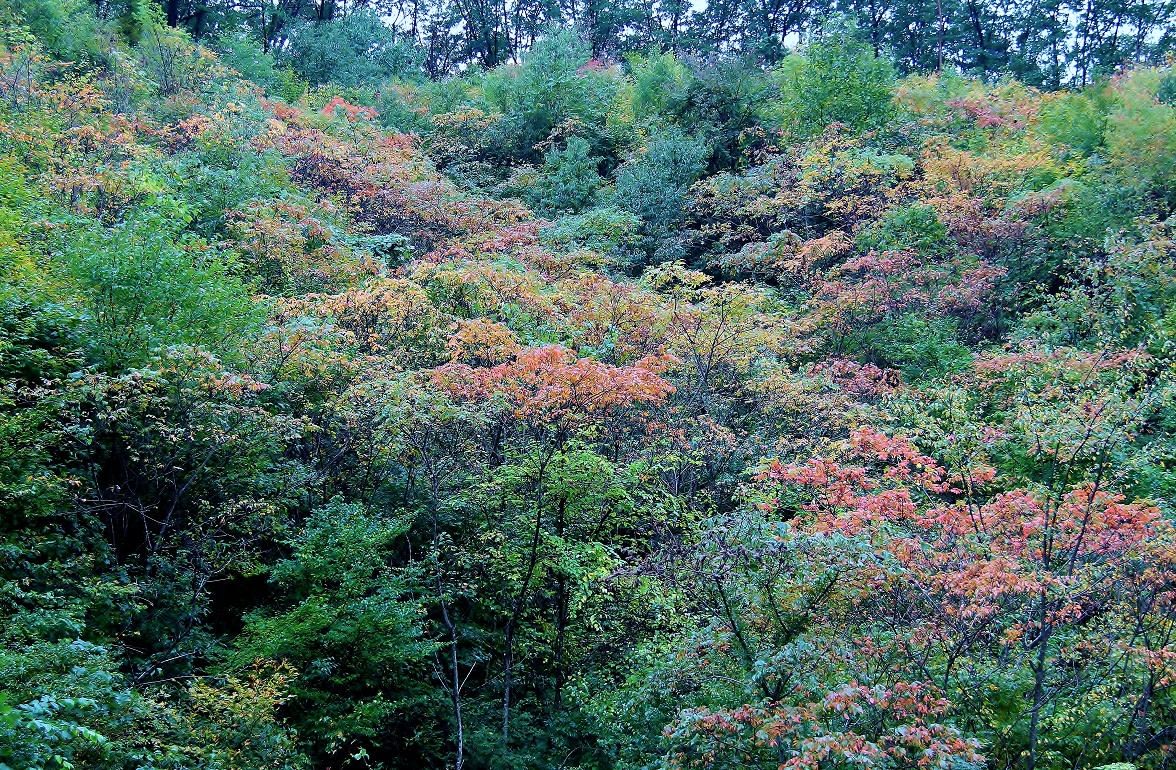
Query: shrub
x=345, y=603
x=660, y=85
x=922, y=348
x=907, y=227
x=723, y=105
x=168, y=57
x=836, y=79
x=357, y=50
x=1076, y=120
x=1141, y=135
x=608, y=231
x=141, y=287
x=552, y=88
x=66, y=29
x=244, y=55
x=655, y=186
x=568, y=180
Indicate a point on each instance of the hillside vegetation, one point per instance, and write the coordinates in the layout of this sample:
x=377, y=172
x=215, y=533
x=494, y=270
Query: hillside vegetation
x=807, y=412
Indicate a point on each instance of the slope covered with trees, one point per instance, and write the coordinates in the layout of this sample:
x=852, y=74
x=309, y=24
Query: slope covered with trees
x=762, y=409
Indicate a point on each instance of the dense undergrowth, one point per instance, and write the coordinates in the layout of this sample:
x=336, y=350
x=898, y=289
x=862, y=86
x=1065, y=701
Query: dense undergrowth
x=574, y=415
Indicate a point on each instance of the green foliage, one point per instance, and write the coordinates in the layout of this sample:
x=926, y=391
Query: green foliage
x=660, y=83
x=1141, y=135
x=1122, y=297
x=66, y=29
x=38, y=341
x=82, y=714
x=908, y=227
x=922, y=348
x=141, y=287
x=63, y=700
x=315, y=455
x=654, y=186
x=549, y=89
x=358, y=49
x=350, y=626
x=1077, y=120
x=837, y=78
x=567, y=181
x=606, y=230
x=723, y=106
x=219, y=175
x=248, y=58
x=232, y=722
x=166, y=55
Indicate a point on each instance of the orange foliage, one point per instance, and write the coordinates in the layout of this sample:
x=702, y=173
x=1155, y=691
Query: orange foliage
x=550, y=384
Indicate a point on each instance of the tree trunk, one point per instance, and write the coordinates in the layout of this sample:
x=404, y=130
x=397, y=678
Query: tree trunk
x=1038, y=691
x=455, y=689
x=519, y=604
x=561, y=613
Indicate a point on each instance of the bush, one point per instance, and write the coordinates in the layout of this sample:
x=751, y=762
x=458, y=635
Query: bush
x=66, y=29
x=1141, y=135
x=916, y=226
x=398, y=108
x=836, y=79
x=141, y=288
x=168, y=57
x=568, y=181
x=1076, y=120
x=552, y=88
x=655, y=186
x=345, y=603
x=53, y=729
x=922, y=348
x=608, y=231
x=357, y=50
x=221, y=174
x=244, y=55
x=724, y=99
x=660, y=84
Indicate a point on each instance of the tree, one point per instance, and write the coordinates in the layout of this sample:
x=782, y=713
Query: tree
x=350, y=626
x=141, y=289
x=838, y=78
x=555, y=398
x=654, y=186
x=568, y=180
x=356, y=50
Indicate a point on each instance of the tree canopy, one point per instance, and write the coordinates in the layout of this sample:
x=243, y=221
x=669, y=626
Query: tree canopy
x=587, y=386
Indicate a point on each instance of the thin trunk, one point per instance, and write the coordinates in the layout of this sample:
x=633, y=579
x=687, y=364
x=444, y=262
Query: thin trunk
x=451, y=630
x=507, y=662
x=561, y=611
x=978, y=30
x=455, y=688
x=939, y=36
x=1038, y=690
x=517, y=610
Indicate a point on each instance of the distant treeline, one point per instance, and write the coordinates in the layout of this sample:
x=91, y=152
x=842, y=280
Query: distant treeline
x=1051, y=43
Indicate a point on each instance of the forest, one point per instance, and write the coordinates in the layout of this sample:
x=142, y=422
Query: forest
x=586, y=385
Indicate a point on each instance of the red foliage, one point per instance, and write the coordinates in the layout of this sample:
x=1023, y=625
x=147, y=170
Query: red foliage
x=550, y=384
x=353, y=112
x=855, y=724
x=971, y=553
x=862, y=380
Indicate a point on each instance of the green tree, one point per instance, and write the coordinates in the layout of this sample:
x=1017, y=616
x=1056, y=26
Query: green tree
x=356, y=50
x=142, y=286
x=348, y=622
x=567, y=181
x=654, y=185
x=837, y=78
